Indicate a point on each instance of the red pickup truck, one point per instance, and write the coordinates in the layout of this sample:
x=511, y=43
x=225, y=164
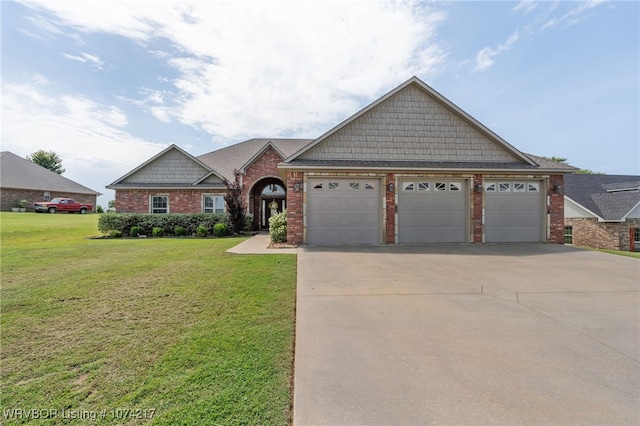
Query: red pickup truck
x=62, y=205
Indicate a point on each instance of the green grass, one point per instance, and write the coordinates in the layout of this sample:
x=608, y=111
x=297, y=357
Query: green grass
x=173, y=326
x=617, y=252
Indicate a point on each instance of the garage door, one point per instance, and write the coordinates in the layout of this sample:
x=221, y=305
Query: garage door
x=513, y=212
x=432, y=211
x=343, y=211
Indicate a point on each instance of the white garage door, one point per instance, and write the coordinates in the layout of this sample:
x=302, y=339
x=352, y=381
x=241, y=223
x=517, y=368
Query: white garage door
x=343, y=211
x=432, y=211
x=513, y=212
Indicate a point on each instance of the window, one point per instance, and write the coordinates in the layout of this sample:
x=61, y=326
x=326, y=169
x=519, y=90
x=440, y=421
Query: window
x=441, y=186
x=491, y=187
x=519, y=187
x=533, y=187
x=423, y=186
x=47, y=196
x=368, y=186
x=408, y=186
x=317, y=186
x=568, y=234
x=455, y=186
x=333, y=185
x=504, y=186
x=354, y=185
x=213, y=204
x=636, y=239
x=159, y=204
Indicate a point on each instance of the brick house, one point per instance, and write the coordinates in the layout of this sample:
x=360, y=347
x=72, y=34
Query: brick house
x=411, y=167
x=602, y=211
x=22, y=179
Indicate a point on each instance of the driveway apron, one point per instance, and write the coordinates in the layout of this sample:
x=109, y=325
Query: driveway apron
x=466, y=334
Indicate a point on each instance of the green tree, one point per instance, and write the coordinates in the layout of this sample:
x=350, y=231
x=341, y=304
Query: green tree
x=579, y=172
x=47, y=159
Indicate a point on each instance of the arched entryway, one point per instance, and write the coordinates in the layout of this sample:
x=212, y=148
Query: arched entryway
x=268, y=196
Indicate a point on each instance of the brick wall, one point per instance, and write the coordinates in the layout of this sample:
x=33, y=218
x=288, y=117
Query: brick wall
x=9, y=195
x=588, y=232
x=556, y=209
x=476, y=209
x=295, y=200
x=390, y=200
x=264, y=166
x=180, y=201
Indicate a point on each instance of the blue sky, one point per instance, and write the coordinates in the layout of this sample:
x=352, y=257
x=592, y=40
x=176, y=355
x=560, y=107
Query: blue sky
x=108, y=84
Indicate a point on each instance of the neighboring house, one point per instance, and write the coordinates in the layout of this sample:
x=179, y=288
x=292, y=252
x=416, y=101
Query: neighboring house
x=21, y=179
x=602, y=211
x=411, y=167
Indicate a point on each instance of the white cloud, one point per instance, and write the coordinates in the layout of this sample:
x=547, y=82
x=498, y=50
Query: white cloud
x=526, y=6
x=92, y=60
x=89, y=137
x=571, y=17
x=486, y=57
x=265, y=68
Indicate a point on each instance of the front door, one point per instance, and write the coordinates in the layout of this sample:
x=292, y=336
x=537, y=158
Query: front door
x=269, y=207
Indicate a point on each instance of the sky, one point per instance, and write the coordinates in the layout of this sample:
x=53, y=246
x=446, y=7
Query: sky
x=108, y=84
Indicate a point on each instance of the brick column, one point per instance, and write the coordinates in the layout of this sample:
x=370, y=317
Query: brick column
x=295, y=224
x=390, y=206
x=476, y=218
x=556, y=209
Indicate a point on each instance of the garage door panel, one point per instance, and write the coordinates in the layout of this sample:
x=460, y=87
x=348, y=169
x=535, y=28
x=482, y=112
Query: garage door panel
x=513, y=216
x=343, y=211
x=431, y=216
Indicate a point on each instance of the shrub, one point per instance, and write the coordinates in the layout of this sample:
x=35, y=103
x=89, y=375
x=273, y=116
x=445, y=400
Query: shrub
x=168, y=222
x=135, y=231
x=278, y=227
x=157, y=232
x=221, y=230
x=236, y=204
x=99, y=209
x=202, y=231
x=114, y=233
x=180, y=231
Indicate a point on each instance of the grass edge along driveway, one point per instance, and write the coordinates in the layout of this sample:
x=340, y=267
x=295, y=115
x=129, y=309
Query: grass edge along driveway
x=136, y=331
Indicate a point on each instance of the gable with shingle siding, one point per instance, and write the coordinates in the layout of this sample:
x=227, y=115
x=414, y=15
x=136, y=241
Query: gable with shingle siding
x=410, y=124
x=172, y=167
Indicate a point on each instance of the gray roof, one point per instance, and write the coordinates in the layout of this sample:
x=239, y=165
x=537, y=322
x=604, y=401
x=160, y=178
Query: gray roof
x=19, y=173
x=224, y=161
x=611, y=197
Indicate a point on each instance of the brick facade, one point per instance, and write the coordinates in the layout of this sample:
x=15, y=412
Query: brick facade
x=588, y=232
x=476, y=209
x=264, y=166
x=556, y=209
x=10, y=195
x=295, y=201
x=180, y=201
x=390, y=202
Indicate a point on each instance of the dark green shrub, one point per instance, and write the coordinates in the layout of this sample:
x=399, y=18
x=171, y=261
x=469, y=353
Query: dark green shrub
x=99, y=209
x=114, y=233
x=180, y=231
x=168, y=222
x=157, y=232
x=221, y=230
x=278, y=227
x=136, y=231
x=202, y=231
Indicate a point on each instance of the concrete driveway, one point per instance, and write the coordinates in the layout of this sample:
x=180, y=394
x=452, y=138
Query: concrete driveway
x=466, y=334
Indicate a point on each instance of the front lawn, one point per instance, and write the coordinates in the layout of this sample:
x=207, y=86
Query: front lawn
x=129, y=331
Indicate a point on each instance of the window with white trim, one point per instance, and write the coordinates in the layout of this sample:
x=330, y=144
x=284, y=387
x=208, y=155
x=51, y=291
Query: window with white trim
x=423, y=186
x=354, y=185
x=47, y=196
x=519, y=187
x=455, y=186
x=490, y=187
x=159, y=204
x=568, y=234
x=636, y=239
x=533, y=186
x=408, y=186
x=213, y=204
x=504, y=187
x=333, y=185
x=441, y=186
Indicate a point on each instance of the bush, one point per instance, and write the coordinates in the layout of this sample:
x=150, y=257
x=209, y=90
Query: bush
x=114, y=233
x=278, y=227
x=180, y=231
x=221, y=230
x=136, y=231
x=99, y=209
x=157, y=232
x=202, y=231
x=168, y=222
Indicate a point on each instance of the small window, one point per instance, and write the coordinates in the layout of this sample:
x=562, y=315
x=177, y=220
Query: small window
x=490, y=187
x=47, y=196
x=568, y=234
x=533, y=187
x=408, y=186
x=333, y=185
x=354, y=185
x=441, y=186
x=636, y=239
x=159, y=204
x=504, y=186
x=368, y=186
x=455, y=186
x=423, y=186
x=519, y=187
x=317, y=186
x=213, y=204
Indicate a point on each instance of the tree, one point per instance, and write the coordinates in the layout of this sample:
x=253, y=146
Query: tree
x=236, y=205
x=579, y=172
x=49, y=160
